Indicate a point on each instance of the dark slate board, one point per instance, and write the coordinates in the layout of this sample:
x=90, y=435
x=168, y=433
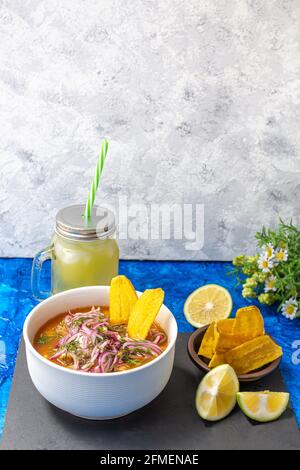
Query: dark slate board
x=169, y=422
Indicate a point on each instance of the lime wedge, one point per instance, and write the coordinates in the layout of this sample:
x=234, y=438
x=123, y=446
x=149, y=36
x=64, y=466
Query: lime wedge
x=216, y=394
x=263, y=406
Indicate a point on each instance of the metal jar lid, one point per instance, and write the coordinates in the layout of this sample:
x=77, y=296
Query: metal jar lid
x=70, y=223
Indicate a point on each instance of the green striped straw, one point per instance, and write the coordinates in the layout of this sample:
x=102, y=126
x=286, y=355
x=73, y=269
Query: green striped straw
x=96, y=180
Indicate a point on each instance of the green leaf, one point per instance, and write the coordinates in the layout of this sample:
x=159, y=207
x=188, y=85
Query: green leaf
x=287, y=272
x=44, y=339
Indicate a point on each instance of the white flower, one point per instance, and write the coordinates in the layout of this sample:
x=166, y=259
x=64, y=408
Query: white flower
x=270, y=284
x=290, y=308
x=265, y=264
x=281, y=255
x=269, y=251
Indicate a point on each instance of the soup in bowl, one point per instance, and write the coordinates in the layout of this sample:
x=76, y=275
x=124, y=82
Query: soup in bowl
x=84, y=339
x=84, y=365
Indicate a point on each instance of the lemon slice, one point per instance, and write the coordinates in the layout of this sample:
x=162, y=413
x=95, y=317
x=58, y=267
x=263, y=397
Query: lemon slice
x=263, y=406
x=207, y=304
x=216, y=394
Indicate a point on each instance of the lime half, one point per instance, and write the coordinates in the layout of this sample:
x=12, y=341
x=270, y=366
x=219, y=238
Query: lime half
x=207, y=304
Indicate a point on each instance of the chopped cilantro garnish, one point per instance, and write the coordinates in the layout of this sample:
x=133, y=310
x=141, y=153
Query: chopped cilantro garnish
x=44, y=339
x=72, y=346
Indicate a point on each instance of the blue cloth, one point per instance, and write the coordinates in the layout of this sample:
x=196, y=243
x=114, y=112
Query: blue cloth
x=178, y=279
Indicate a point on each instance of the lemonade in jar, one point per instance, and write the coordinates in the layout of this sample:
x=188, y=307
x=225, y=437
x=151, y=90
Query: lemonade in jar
x=81, y=253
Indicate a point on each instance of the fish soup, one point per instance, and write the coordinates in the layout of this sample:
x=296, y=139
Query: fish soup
x=84, y=340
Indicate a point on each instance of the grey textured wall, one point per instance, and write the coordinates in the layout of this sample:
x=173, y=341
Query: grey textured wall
x=199, y=98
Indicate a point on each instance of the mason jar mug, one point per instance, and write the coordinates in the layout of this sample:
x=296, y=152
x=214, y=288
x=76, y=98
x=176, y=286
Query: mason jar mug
x=81, y=253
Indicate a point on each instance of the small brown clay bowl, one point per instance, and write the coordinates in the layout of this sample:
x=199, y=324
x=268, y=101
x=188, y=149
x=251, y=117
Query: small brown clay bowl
x=202, y=362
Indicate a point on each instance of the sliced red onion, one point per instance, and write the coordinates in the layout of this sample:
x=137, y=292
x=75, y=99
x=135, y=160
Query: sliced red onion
x=72, y=338
x=143, y=344
x=75, y=361
x=86, y=367
x=58, y=354
x=103, y=352
x=113, y=334
x=98, y=325
x=86, y=330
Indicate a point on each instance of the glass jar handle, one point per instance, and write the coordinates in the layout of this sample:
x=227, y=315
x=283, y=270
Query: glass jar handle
x=37, y=264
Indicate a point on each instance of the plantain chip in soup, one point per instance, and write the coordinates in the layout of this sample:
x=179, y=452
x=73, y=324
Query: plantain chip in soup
x=122, y=298
x=144, y=312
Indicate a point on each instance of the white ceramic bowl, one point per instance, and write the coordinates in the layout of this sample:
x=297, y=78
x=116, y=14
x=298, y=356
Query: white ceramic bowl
x=92, y=395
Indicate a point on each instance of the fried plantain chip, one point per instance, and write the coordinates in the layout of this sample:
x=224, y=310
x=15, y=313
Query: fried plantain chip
x=217, y=360
x=122, y=298
x=209, y=340
x=253, y=354
x=249, y=323
x=228, y=341
x=144, y=313
x=225, y=326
